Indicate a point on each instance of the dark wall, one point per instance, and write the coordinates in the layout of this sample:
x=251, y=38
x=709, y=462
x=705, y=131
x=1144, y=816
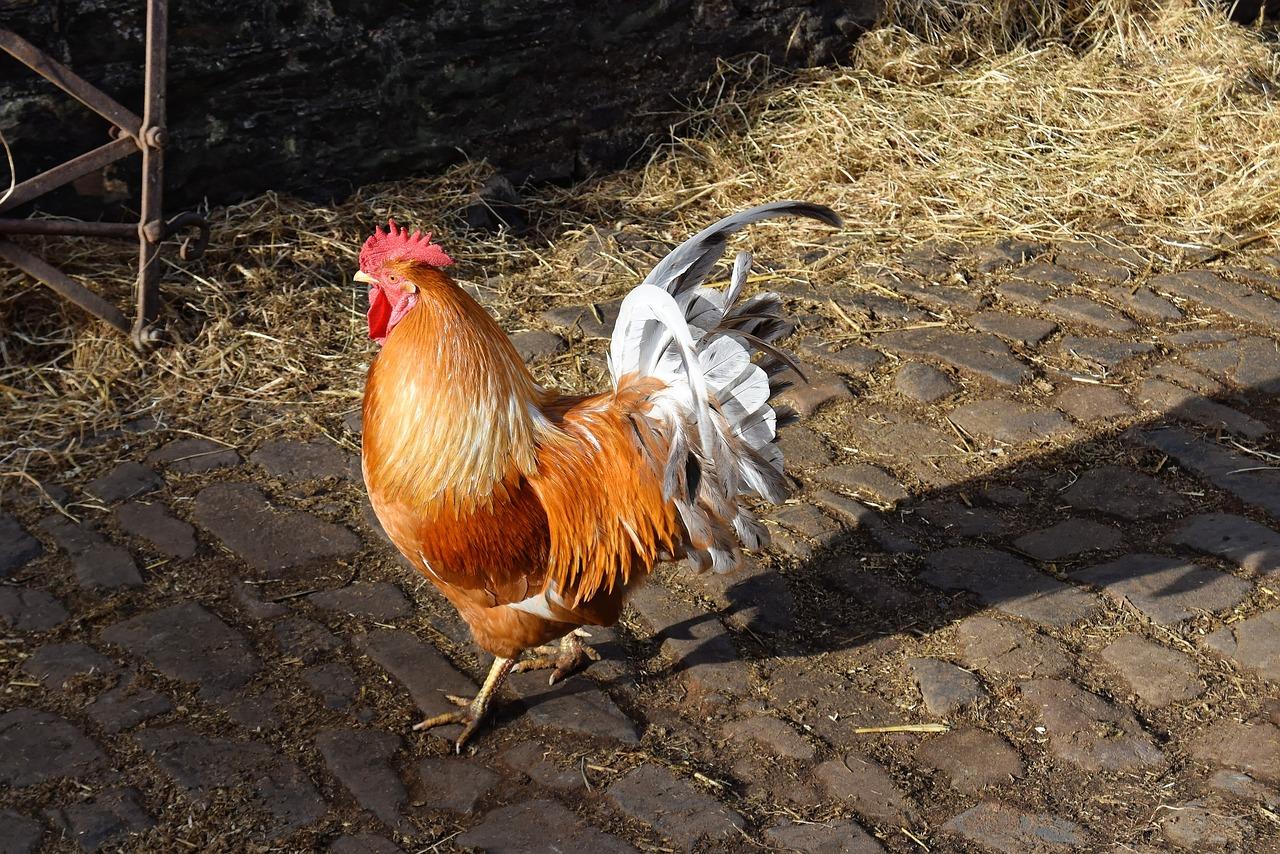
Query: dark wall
x=318, y=96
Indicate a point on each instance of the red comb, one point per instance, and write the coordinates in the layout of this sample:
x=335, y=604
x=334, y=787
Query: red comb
x=397, y=244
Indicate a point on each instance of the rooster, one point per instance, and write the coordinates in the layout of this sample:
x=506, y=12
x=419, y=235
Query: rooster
x=537, y=513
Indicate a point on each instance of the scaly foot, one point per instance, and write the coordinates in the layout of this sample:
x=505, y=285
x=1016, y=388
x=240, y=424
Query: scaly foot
x=572, y=656
x=473, y=711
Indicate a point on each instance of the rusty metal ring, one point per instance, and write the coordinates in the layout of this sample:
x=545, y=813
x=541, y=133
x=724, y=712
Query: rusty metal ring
x=189, y=251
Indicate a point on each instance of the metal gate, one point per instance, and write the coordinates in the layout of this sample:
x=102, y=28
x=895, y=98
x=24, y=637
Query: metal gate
x=130, y=135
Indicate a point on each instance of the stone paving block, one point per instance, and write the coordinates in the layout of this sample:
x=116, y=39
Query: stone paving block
x=333, y=682
x=97, y=564
x=37, y=746
x=1192, y=338
x=153, y=523
x=1240, y=475
x=371, y=600
x=593, y=321
x=55, y=664
x=188, y=643
x=882, y=433
x=996, y=826
x=574, y=706
x=976, y=352
x=1107, y=352
x=1092, y=266
x=364, y=843
x=846, y=358
x=808, y=397
x=754, y=596
x=829, y=837
x=19, y=834
x=972, y=760
x=1142, y=303
x=1168, y=590
x=673, y=807
x=105, y=819
x=453, y=783
x=1011, y=423
x=200, y=765
x=1252, y=643
x=420, y=668
x=1123, y=493
x=805, y=519
x=1069, y=537
x=536, y=344
x=1250, y=546
x=1239, y=785
x=539, y=825
x=533, y=759
x=1185, y=377
x=194, y=455
x=1157, y=674
x=1252, y=364
x=1044, y=272
x=1005, y=252
x=17, y=547
x=127, y=480
x=864, y=479
x=923, y=383
x=266, y=538
x=29, y=610
x=802, y=448
x=704, y=654
x=1004, y=649
x=939, y=297
x=249, y=602
x=1192, y=827
x=1089, y=404
x=867, y=788
x=1230, y=298
x=1001, y=581
x=858, y=515
x=775, y=737
x=303, y=639
x=293, y=461
x=361, y=760
x=125, y=706
x=1174, y=401
x=957, y=519
x=1082, y=310
x=1252, y=748
x=1088, y=732
x=945, y=688
x=1018, y=328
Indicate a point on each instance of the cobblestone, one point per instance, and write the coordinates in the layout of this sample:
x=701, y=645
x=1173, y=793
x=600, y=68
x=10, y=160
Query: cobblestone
x=923, y=383
x=127, y=480
x=19, y=834
x=1011, y=423
x=193, y=456
x=454, y=784
x=27, y=610
x=188, y=643
x=56, y=664
x=1089, y=404
x=1108, y=352
x=125, y=706
x=360, y=759
x=1003, y=649
x=370, y=600
x=293, y=461
x=1000, y=827
x=1089, y=732
x=579, y=708
x=1159, y=676
x=104, y=819
x=268, y=539
x=972, y=760
x=1253, y=643
x=1238, y=475
x=423, y=671
x=1168, y=590
x=867, y=788
x=672, y=807
x=539, y=825
x=1252, y=547
x=1252, y=364
x=834, y=837
x=703, y=652
x=153, y=523
x=771, y=734
x=1250, y=747
x=1018, y=328
x=1192, y=827
x=1176, y=402
x=1067, y=538
x=944, y=687
x=1211, y=290
x=1123, y=493
x=36, y=746
x=1003, y=582
x=535, y=344
x=979, y=354
x=17, y=547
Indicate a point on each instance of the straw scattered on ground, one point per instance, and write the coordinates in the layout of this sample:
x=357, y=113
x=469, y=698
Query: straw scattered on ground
x=960, y=123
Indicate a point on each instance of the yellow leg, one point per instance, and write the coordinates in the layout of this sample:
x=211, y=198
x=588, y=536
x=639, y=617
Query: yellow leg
x=475, y=710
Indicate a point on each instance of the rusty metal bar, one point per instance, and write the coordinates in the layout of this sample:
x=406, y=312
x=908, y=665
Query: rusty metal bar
x=70, y=82
x=59, y=281
x=151, y=225
x=65, y=173
x=71, y=227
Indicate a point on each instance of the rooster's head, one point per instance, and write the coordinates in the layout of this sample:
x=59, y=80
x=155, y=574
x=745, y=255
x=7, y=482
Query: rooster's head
x=386, y=262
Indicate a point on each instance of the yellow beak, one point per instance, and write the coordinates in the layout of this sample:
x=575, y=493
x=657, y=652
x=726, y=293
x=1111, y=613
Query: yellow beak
x=364, y=278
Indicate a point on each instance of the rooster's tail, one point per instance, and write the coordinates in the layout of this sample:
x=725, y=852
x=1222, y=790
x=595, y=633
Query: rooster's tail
x=714, y=409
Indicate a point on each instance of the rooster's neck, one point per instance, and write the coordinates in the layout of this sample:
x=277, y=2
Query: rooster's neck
x=450, y=413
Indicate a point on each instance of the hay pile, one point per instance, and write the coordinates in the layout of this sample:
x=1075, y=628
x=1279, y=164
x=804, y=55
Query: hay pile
x=956, y=123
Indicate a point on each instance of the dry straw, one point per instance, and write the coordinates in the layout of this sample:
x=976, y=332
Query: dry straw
x=959, y=121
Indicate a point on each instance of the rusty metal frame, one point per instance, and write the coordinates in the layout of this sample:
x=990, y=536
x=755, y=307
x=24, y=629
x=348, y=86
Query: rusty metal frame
x=131, y=135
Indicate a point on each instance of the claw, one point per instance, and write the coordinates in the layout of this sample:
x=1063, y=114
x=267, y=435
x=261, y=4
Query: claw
x=571, y=656
x=474, y=711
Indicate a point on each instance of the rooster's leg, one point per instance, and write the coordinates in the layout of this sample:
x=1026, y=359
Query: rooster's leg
x=573, y=656
x=476, y=709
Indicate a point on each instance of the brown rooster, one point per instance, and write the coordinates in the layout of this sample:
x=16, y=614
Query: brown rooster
x=536, y=513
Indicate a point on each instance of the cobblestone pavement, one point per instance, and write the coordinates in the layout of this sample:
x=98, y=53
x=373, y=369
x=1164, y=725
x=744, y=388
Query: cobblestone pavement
x=1035, y=510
